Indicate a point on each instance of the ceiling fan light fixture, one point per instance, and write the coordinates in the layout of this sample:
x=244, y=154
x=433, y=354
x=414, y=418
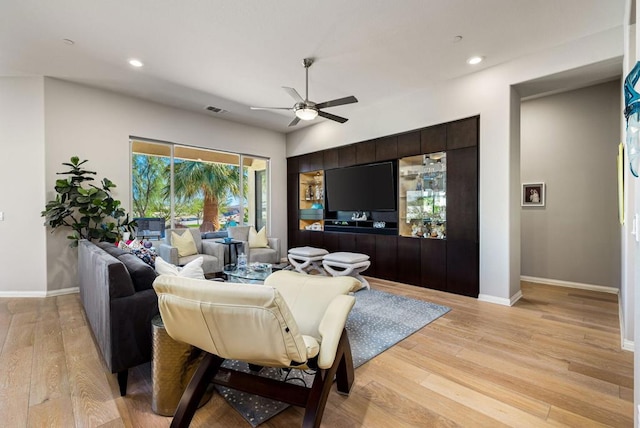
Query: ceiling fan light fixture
x=307, y=113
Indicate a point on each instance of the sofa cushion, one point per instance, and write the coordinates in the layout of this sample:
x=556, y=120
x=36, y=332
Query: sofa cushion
x=111, y=249
x=142, y=275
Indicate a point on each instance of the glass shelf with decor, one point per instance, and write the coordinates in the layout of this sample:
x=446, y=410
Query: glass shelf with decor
x=311, y=200
x=423, y=196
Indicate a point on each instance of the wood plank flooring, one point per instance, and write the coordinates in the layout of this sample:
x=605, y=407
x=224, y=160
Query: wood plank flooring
x=553, y=359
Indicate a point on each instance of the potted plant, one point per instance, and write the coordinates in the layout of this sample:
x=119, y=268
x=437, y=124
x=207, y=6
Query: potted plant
x=89, y=210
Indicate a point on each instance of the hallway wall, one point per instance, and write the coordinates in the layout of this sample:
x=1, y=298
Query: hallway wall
x=570, y=142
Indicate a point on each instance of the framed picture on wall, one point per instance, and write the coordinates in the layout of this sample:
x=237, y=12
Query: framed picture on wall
x=533, y=194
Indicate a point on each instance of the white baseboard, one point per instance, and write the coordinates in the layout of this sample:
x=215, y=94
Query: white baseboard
x=41, y=294
x=500, y=300
x=626, y=344
x=64, y=291
x=570, y=284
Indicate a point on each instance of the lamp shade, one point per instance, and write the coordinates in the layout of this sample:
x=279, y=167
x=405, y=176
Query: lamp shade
x=307, y=113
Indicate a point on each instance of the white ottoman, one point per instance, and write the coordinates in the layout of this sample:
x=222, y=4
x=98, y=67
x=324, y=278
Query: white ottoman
x=344, y=263
x=307, y=259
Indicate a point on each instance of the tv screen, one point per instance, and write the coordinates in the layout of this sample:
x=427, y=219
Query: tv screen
x=150, y=227
x=369, y=187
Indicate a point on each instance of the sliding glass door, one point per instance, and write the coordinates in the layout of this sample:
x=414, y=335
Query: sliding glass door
x=195, y=187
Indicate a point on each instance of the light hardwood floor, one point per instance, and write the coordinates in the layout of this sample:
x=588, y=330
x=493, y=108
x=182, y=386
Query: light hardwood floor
x=553, y=359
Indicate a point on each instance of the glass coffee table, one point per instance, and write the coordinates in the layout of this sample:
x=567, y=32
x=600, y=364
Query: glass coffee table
x=255, y=273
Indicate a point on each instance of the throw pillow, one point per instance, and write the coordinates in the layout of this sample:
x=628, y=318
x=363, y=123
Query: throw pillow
x=184, y=243
x=258, y=239
x=193, y=269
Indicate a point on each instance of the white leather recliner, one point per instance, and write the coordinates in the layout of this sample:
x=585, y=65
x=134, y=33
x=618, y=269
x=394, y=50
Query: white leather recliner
x=293, y=321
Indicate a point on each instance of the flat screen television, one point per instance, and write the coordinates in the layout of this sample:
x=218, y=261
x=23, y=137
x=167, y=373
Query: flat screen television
x=150, y=227
x=370, y=187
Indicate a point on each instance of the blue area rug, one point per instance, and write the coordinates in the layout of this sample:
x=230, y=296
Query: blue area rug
x=378, y=321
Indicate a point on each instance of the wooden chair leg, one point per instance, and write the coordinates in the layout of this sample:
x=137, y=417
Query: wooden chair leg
x=123, y=376
x=195, y=390
x=345, y=375
x=322, y=385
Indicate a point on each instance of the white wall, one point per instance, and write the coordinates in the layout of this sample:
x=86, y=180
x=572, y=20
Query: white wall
x=487, y=93
x=570, y=141
x=96, y=124
x=629, y=294
x=22, y=252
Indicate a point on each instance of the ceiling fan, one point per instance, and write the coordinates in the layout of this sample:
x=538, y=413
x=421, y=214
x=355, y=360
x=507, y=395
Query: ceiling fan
x=308, y=110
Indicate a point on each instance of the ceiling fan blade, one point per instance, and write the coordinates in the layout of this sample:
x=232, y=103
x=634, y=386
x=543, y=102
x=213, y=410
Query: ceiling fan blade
x=295, y=121
x=294, y=94
x=271, y=108
x=338, y=102
x=332, y=117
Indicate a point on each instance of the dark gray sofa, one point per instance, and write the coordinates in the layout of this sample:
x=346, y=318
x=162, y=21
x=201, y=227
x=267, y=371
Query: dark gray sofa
x=119, y=301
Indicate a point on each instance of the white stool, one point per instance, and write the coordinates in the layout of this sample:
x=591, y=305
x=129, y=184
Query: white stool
x=306, y=259
x=347, y=264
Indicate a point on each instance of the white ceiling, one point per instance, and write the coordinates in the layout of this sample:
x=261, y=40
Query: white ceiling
x=235, y=54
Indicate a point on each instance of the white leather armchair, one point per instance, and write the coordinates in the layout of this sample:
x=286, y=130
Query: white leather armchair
x=293, y=321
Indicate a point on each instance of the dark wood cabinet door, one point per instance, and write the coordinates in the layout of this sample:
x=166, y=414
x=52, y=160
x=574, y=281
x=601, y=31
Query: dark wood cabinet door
x=463, y=133
x=433, y=256
x=462, y=194
x=366, y=244
x=347, y=242
x=409, y=144
x=386, y=148
x=292, y=165
x=304, y=163
x=366, y=152
x=331, y=241
x=292, y=201
x=331, y=159
x=291, y=239
x=297, y=238
x=409, y=260
x=347, y=155
x=311, y=162
x=308, y=238
x=463, y=268
x=433, y=139
x=386, y=257
x=316, y=238
x=315, y=161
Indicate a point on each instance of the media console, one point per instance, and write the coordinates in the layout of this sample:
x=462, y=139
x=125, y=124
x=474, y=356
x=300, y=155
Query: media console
x=431, y=239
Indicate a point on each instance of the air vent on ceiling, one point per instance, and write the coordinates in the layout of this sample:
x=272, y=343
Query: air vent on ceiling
x=215, y=109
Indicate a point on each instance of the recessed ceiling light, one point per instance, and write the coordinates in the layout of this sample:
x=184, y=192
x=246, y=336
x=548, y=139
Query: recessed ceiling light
x=474, y=60
x=68, y=42
x=136, y=63
x=457, y=39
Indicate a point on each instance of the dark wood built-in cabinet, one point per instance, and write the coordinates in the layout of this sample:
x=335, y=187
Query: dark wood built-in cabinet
x=450, y=264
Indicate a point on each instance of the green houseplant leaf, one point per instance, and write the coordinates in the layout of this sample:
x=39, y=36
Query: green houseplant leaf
x=90, y=211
